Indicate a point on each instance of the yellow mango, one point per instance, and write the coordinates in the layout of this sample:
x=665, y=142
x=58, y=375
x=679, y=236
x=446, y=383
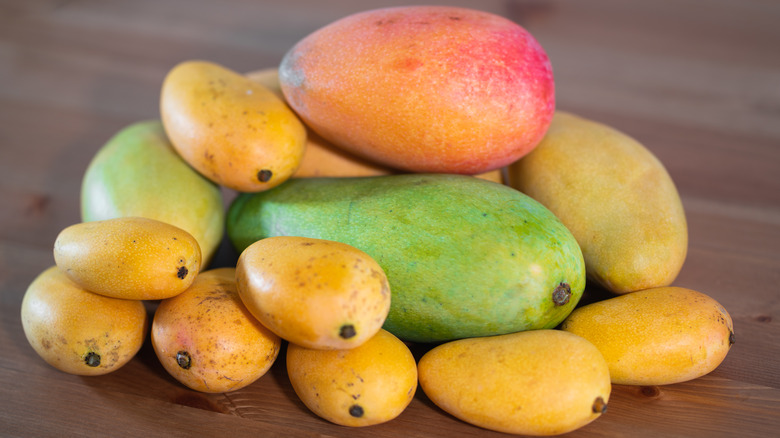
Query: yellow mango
x=656, y=336
x=313, y=292
x=231, y=129
x=539, y=382
x=128, y=257
x=206, y=338
x=77, y=331
x=615, y=197
x=362, y=386
x=324, y=159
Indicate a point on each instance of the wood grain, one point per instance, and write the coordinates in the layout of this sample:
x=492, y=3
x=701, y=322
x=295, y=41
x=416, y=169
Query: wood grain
x=696, y=82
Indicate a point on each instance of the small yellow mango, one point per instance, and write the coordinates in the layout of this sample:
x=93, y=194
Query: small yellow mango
x=656, y=336
x=362, y=386
x=128, y=257
x=539, y=382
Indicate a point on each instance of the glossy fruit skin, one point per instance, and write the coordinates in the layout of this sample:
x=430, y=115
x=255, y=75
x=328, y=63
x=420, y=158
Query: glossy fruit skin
x=362, y=386
x=324, y=159
x=423, y=88
x=312, y=292
x=657, y=336
x=464, y=257
x=231, y=129
x=138, y=173
x=615, y=196
x=540, y=382
x=77, y=331
x=132, y=258
x=206, y=338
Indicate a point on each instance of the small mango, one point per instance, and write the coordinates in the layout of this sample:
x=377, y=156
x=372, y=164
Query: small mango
x=77, y=331
x=615, y=197
x=128, y=257
x=313, y=292
x=362, y=386
x=231, y=129
x=656, y=336
x=206, y=338
x=538, y=382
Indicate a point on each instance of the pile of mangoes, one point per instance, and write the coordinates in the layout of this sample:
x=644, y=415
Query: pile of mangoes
x=401, y=177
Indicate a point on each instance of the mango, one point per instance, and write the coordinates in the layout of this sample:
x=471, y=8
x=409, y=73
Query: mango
x=138, y=173
x=423, y=88
x=77, y=331
x=133, y=258
x=464, y=257
x=312, y=292
x=322, y=158
x=657, y=336
x=231, y=129
x=615, y=196
x=206, y=338
x=542, y=382
x=363, y=386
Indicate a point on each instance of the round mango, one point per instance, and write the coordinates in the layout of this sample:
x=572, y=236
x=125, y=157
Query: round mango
x=539, y=382
x=615, y=197
x=656, y=336
x=362, y=386
x=138, y=173
x=423, y=88
x=313, y=292
x=129, y=257
x=207, y=340
x=77, y=331
x=231, y=129
x=323, y=159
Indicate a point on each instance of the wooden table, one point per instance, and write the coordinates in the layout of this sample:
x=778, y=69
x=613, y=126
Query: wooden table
x=698, y=82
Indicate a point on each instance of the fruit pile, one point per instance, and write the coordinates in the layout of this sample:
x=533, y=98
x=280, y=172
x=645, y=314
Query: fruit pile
x=401, y=177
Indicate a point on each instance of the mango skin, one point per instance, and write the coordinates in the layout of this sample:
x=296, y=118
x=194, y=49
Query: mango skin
x=132, y=258
x=207, y=339
x=542, y=382
x=464, y=257
x=616, y=198
x=77, y=331
x=657, y=336
x=423, y=88
x=363, y=386
x=138, y=173
x=231, y=129
x=312, y=292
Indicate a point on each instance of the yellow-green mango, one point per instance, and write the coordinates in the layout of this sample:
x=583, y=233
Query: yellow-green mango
x=615, y=197
x=138, y=173
x=656, y=336
x=538, y=382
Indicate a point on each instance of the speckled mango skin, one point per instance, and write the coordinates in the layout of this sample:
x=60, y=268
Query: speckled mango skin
x=323, y=159
x=541, y=382
x=70, y=327
x=657, y=336
x=138, y=173
x=231, y=129
x=615, y=196
x=226, y=347
x=423, y=88
x=464, y=257
x=128, y=257
x=362, y=386
x=312, y=292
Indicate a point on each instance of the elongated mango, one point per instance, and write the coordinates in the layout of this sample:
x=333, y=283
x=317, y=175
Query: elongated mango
x=463, y=256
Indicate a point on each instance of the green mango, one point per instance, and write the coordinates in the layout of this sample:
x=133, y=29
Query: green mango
x=464, y=257
x=138, y=173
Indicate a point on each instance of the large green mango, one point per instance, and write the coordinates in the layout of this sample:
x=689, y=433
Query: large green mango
x=464, y=257
x=138, y=173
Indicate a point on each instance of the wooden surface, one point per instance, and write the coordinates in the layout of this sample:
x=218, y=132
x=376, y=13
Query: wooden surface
x=698, y=82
